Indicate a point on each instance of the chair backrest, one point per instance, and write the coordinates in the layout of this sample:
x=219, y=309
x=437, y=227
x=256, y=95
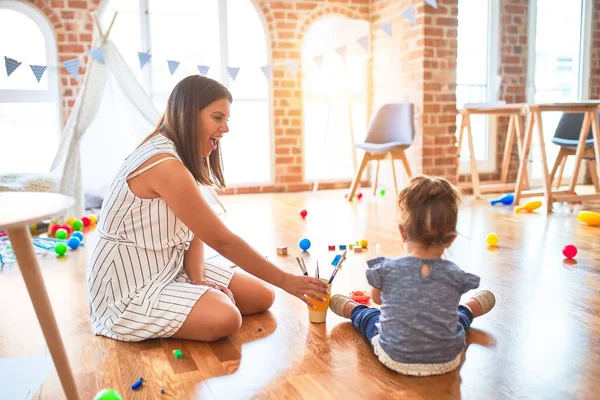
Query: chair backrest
x=393, y=122
x=569, y=127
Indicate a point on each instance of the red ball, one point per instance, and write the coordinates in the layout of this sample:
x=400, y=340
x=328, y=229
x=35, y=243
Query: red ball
x=569, y=251
x=359, y=196
x=67, y=228
x=86, y=221
x=55, y=228
x=2, y=234
x=303, y=213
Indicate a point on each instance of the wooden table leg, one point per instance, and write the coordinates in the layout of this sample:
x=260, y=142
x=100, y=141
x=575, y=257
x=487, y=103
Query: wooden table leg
x=474, y=172
x=585, y=127
x=461, y=131
x=25, y=254
x=596, y=135
x=524, y=153
x=508, y=149
x=547, y=183
x=519, y=134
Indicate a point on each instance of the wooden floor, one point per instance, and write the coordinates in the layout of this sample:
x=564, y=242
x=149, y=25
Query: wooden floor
x=542, y=341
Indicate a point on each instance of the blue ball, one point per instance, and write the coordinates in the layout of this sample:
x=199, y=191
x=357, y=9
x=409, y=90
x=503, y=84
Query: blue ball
x=73, y=242
x=78, y=235
x=304, y=244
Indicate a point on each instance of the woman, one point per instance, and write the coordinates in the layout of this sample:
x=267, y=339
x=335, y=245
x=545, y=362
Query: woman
x=146, y=277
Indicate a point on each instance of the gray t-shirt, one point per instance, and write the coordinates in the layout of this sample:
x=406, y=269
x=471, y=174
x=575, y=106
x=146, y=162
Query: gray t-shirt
x=419, y=317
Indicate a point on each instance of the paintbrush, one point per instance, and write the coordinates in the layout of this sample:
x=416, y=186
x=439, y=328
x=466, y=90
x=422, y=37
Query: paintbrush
x=337, y=267
x=317, y=271
x=300, y=262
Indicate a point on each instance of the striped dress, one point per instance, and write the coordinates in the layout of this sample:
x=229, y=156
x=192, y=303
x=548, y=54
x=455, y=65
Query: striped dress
x=137, y=286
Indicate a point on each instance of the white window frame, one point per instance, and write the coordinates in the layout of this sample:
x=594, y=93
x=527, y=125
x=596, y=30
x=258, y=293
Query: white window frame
x=489, y=164
x=583, y=86
x=51, y=94
x=224, y=77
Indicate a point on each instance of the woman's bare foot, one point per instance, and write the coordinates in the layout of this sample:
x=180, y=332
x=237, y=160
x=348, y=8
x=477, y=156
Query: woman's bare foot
x=481, y=303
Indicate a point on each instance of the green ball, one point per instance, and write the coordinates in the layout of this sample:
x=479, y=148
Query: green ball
x=61, y=234
x=108, y=394
x=77, y=225
x=382, y=192
x=60, y=249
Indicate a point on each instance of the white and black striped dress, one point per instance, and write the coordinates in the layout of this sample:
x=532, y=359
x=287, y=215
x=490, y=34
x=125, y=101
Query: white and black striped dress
x=137, y=286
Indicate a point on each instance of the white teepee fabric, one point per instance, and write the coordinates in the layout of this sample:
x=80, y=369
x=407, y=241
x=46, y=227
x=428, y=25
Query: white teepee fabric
x=111, y=116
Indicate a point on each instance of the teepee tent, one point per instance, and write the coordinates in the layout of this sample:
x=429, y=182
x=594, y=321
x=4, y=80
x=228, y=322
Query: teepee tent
x=111, y=116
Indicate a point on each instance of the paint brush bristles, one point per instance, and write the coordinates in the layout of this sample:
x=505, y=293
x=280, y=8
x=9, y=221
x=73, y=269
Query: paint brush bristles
x=300, y=262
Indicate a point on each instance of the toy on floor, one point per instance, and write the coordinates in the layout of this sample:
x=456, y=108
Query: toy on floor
x=282, y=250
x=303, y=213
x=589, y=217
x=507, y=200
x=359, y=196
x=382, y=192
x=530, y=206
x=108, y=394
x=178, y=354
x=569, y=251
x=492, y=239
x=364, y=243
x=331, y=247
x=137, y=383
x=60, y=249
x=360, y=296
x=304, y=244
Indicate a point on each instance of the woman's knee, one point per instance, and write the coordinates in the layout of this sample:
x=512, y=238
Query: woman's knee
x=267, y=297
x=225, y=323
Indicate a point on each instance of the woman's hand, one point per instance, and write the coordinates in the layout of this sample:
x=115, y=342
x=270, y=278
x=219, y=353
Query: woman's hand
x=300, y=286
x=218, y=287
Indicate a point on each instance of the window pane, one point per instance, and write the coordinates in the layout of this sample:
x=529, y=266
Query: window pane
x=328, y=90
x=126, y=32
x=247, y=49
x=186, y=31
x=27, y=45
x=247, y=146
x=29, y=136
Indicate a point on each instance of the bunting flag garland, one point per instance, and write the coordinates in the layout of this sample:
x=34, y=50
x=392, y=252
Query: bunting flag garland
x=173, y=66
x=38, y=71
x=387, y=28
x=341, y=52
x=364, y=42
x=11, y=64
x=409, y=14
x=293, y=66
x=97, y=54
x=144, y=58
x=432, y=3
x=233, y=72
x=72, y=66
x=267, y=70
x=203, y=69
x=319, y=60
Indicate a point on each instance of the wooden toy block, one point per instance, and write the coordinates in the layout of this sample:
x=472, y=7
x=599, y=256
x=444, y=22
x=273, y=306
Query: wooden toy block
x=358, y=249
x=343, y=247
x=331, y=247
x=282, y=250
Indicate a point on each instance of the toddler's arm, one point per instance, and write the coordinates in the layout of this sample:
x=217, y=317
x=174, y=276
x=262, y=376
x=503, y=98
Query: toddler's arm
x=376, y=295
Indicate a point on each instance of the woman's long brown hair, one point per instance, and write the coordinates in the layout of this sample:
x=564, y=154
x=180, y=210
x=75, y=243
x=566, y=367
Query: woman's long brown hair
x=179, y=121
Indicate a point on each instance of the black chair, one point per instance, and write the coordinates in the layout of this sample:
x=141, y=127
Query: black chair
x=567, y=137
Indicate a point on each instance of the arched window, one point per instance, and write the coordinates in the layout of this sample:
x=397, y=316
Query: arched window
x=335, y=95
x=29, y=110
x=205, y=33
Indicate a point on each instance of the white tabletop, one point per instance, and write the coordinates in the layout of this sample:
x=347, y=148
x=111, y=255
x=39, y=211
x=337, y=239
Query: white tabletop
x=24, y=208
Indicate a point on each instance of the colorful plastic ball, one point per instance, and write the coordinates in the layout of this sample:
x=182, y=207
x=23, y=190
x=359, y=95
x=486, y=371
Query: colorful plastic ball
x=67, y=228
x=60, y=249
x=569, y=251
x=78, y=235
x=55, y=228
x=77, y=225
x=86, y=221
x=359, y=196
x=382, y=192
x=304, y=244
x=108, y=394
x=61, y=233
x=363, y=243
x=303, y=213
x=93, y=219
x=492, y=239
x=73, y=242
x=70, y=221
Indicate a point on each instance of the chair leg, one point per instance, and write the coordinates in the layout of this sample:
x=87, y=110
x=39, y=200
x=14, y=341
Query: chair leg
x=404, y=160
x=391, y=156
x=594, y=175
x=561, y=171
x=557, y=163
x=356, y=180
x=376, y=179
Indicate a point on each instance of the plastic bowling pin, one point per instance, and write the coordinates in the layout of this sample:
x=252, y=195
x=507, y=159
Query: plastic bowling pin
x=529, y=206
x=507, y=200
x=589, y=217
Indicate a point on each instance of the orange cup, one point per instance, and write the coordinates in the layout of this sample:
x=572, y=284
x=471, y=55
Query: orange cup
x=318, y=314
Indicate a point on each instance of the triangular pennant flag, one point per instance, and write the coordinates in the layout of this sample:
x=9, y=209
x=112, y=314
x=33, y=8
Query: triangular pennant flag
x=341, y=52
x=38, y=71
x=173, y=66
x=409, y=14
x=364, y=42
x=97, y=54
x=432, y=3
x=203, y=69
x=72, y=66
x=319, y=60
x=11, y=65
x=293, y=66
x=387, y=28
x=233, y=72
x=144, y=58
x=267, y=70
